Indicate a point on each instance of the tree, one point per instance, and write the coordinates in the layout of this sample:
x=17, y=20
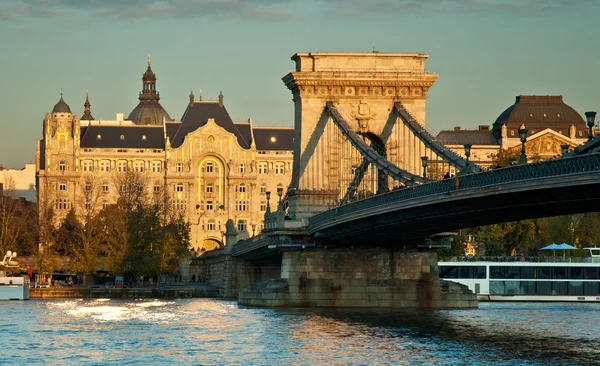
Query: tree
x=44, y=251
x=143, y=236
x=12, y=218
x=506, y=237
x=457, y=246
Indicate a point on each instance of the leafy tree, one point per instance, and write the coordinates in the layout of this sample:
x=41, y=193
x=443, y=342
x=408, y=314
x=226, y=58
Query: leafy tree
x=506, y=237
x=457, y=246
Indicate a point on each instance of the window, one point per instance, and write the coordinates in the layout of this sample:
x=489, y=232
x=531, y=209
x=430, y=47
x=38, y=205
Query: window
x=241, y=225
x=279, y=168
x=105, y=187
x=263, y=168
x=62, y=166
x=122, y=188
x=211, y=226
x=241, y=188
x=209, y=188
x=209, y=167
x=156, y=167
x=179, y=205
x=105, y=205
x=88, y=187
x=62, y=186
x=156, y=188
x=179, y=168
x=138, y=166
x=88, y=166
x=263, y=206
x=263, y=188
x=122, y=166
x=241, y=205
x=105, y=166
x=179, y=187
x=88, y=206
x=242, y=168
x=209, y=205
x=63, y=204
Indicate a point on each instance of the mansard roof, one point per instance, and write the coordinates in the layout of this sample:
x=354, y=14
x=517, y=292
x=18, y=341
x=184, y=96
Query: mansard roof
x=274, y=138
x=461, y=137
x=197, y=114
x=122, y=137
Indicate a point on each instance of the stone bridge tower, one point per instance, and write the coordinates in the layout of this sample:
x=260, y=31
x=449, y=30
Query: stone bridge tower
x=364, y=87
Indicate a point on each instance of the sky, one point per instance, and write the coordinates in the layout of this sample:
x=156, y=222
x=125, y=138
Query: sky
x=486, y=52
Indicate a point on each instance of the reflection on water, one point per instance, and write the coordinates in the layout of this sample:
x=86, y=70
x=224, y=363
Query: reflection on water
x=207, y=331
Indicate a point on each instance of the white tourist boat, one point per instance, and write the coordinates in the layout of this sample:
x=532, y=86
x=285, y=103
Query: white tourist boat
x=529, y=279
x=12, y=287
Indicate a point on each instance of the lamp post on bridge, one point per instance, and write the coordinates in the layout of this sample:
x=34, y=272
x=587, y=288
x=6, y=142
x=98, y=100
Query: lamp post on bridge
x=268, y=194
x=564, y=148
x=590, y=116
x=523, y=137
x=468, y=155
x=279, y=193
x=424, y=163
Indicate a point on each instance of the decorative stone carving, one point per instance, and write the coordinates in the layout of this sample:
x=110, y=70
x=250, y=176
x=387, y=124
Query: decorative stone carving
x=572, y=132
x=363, y=113
x=504, y=131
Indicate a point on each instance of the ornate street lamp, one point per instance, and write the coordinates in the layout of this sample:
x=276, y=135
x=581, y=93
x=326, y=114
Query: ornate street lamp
x=564, y=148
x=268, y=194
x=523, y=137
x=424, y=163
x=253, y=228
x=590, y=116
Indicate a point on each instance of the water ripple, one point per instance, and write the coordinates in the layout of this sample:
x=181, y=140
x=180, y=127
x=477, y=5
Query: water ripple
x=213, y=332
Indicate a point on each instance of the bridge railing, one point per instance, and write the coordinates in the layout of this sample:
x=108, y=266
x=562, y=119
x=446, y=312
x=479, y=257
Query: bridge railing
x=544, y=169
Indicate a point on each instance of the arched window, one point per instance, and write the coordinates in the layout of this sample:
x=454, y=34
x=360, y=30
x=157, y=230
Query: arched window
x=62, y=166
x=263, y=188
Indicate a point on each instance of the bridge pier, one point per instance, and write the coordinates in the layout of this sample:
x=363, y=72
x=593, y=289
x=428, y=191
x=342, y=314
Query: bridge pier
x=378, y=277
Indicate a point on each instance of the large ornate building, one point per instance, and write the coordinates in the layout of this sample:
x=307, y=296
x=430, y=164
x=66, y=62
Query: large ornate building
x=549, y=122
x=214, y=169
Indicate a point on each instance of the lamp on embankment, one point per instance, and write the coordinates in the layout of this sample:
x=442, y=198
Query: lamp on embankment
x=590, y=116
x=523, y=137
x=424, y=163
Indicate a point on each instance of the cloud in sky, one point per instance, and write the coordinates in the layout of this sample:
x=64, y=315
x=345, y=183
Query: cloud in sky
x=271, y=9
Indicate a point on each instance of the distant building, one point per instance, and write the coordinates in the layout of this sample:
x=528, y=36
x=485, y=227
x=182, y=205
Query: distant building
x=550, y=123
x=214, y=169
x=20, y=182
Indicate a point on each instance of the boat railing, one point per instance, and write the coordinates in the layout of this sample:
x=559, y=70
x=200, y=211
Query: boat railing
x=541, y=259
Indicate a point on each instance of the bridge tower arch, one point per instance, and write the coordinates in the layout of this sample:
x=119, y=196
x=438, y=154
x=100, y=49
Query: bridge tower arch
x=363, y=88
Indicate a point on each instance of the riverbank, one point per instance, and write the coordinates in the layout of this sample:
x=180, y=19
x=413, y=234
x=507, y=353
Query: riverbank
x=90, y=292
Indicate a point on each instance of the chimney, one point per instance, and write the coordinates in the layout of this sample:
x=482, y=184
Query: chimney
x=200, y=97
x=191, y=98
x=457, y=128
x=484, y=127
x=221, y=99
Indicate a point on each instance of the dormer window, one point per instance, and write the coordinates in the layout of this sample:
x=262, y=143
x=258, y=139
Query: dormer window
x=273, y=139
x=144, y=137
x=99, y=137
x=122, y=137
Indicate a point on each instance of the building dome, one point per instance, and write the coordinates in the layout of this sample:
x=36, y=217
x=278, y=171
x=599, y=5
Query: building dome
x=149, y=111
x=537, y=113
x=61, y=107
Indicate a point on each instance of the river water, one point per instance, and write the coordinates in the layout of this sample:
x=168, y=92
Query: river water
x=216, y=332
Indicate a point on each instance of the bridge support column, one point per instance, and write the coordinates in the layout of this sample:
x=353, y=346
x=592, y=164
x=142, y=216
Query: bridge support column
x=385, y=278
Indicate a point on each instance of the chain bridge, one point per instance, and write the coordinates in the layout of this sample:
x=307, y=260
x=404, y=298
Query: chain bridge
x=370, y=191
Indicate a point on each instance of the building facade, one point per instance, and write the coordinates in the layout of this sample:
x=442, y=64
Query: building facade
x=20, y=182
x=549, y=122
x=211, y=168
